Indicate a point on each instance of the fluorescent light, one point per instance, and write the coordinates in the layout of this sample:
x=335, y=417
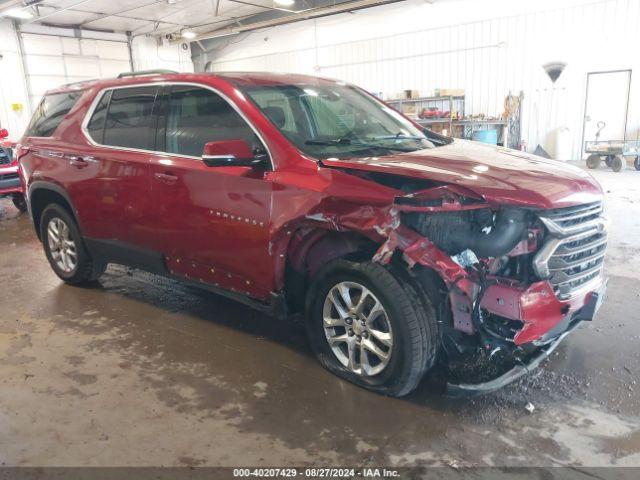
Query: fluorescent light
x=188, y=34
x=17, y=13
x=286, y=3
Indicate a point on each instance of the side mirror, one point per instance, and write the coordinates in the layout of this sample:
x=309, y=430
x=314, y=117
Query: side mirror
x=230, y=153
x=4, y=133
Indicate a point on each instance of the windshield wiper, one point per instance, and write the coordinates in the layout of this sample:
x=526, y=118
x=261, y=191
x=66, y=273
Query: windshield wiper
x=348, y=142
x=337, y=141
x=399, y=136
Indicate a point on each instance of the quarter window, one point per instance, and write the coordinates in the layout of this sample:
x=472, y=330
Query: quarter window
x=51, y=111
x=96, y=124
x=196, y=116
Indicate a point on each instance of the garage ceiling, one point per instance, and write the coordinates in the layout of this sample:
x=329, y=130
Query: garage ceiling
x=141, y=17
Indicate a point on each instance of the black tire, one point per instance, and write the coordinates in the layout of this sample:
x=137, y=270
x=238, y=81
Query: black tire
x=19, y=202
x=608, y=159
x=593, y=161
x=636, y=163
x=618, y=163
x=412, y=320
x=86, y=270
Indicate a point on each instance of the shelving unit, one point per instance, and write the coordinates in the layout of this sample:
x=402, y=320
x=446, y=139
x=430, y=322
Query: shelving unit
x=454, y=105
x=455, y=122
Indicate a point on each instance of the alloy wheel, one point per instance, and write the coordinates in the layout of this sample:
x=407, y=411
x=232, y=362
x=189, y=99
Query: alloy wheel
x=357, y=328
x=61, y=245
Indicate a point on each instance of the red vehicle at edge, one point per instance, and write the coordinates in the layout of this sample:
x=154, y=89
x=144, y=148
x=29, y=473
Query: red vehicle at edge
x=10, y=184
x=299, y=194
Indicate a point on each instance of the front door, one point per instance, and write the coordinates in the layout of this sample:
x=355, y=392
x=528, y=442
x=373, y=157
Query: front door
x=605, y=117
x=211, y=223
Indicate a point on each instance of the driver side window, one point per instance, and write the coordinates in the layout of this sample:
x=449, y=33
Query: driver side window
x=194, y=116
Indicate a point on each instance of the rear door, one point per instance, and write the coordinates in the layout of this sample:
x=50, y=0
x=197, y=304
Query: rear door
x=115, y=203
x=211, y=223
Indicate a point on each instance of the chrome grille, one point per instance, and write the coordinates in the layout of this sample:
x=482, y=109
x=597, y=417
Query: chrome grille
x=572, y=257
x=563, y=221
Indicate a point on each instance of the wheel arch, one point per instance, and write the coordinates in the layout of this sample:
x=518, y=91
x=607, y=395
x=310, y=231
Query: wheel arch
x=310, y=249
x=41, y=194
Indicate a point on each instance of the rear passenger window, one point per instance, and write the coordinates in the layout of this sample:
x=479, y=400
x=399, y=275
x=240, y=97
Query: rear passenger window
x=129, y=121
x=50, y=112
x=195, y=116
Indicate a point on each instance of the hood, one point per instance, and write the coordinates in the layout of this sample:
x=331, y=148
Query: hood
x=499, y=175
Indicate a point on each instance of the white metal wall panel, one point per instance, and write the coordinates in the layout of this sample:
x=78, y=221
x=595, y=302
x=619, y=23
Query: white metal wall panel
x=12, y=85
x=52, y=61
x=487, y=57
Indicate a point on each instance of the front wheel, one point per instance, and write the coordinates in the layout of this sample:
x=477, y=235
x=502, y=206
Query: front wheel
x=65, y=249
x=636, y=163
x=370, y=327
x=593, y=161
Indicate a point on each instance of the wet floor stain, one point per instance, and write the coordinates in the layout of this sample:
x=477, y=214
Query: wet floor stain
x=140, y=370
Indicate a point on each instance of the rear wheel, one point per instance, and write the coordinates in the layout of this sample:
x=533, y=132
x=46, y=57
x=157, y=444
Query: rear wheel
x=636, y=163
x=593, y=161
x=65, y=249
x=368, y=326
x=19, y=202
x=617, y=163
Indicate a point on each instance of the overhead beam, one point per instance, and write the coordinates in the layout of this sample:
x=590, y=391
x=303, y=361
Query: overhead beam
x=227, y=17
x=120, y=12
x=296, y=17
x=10, y=4
x=57, y=11
x=161, y=19
x=266, y=7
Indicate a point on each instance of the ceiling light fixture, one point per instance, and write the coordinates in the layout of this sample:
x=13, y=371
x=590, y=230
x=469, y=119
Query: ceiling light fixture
x=285, y=3
x=188, y=34
x=17, y=13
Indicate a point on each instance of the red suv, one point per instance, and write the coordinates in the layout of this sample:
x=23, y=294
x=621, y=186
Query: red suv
x=299, y=194
x=10, y=185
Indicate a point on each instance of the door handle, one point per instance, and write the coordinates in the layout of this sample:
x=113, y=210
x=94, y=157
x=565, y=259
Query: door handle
x=78, y=162
x=167, y=178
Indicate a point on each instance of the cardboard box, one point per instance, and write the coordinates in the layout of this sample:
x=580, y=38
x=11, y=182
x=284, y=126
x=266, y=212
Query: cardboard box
x=450, y=92
x=410, y=110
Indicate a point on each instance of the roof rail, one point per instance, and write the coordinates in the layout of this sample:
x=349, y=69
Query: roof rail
x=79, y=82
x=159, y=71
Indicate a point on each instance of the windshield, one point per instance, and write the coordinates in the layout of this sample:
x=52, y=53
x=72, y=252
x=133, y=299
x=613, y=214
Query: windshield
x=337, y=121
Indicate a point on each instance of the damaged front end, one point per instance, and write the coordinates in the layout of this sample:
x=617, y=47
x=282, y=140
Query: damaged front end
x=516, y=280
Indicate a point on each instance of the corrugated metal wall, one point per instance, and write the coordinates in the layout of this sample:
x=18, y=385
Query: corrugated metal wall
x=489, y=57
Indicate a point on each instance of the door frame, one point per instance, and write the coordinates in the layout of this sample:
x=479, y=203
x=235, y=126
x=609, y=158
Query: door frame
x=586, y=102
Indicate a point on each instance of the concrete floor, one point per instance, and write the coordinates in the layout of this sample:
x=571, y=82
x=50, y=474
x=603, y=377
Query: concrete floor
x=145, y=371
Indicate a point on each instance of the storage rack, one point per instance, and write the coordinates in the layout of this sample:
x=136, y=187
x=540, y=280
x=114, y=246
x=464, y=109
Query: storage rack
x=452, y=104
x=457, y=125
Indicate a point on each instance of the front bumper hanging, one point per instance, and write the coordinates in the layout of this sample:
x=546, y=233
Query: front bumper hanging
x=471, y=389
